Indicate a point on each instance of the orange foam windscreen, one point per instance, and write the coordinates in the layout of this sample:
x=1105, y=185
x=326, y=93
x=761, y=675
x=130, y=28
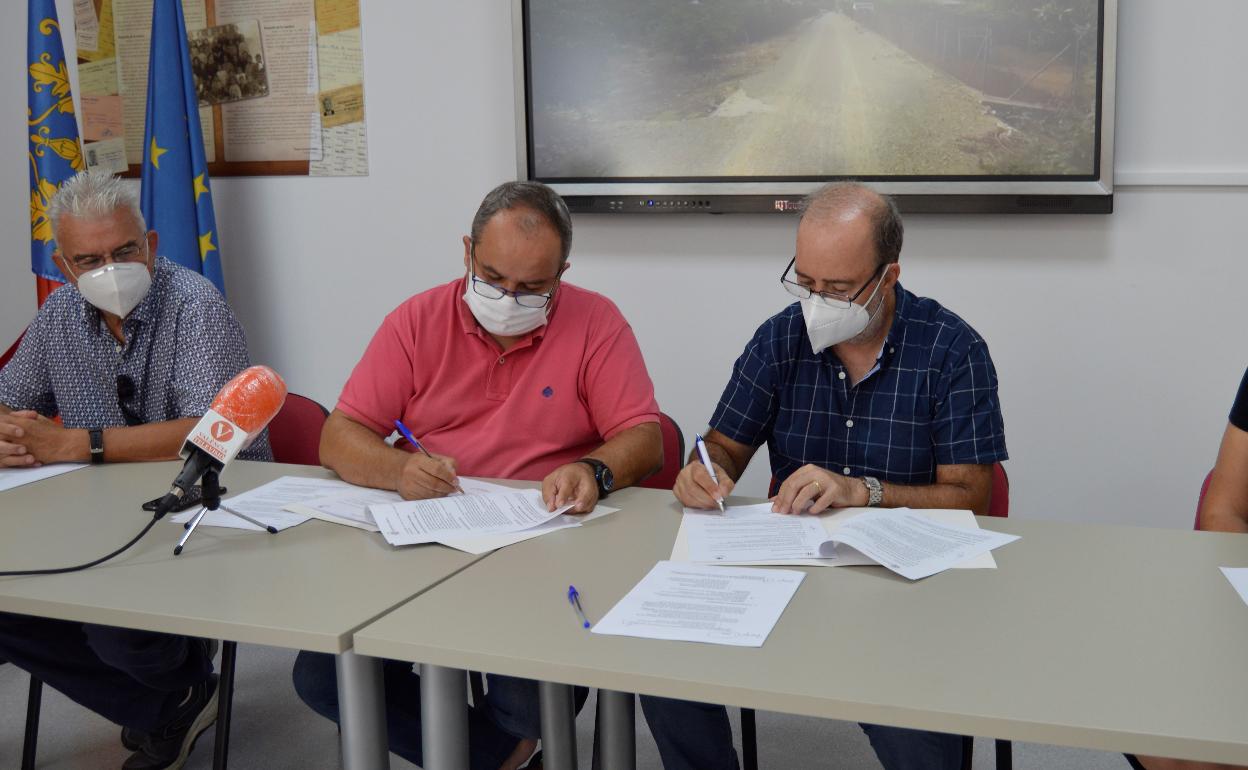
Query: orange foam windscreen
x=252, y=398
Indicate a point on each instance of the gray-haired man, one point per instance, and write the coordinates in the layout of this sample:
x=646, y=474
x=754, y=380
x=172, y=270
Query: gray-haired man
x=128, y=354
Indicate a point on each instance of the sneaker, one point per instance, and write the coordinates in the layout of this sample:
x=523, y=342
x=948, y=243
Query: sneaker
x=133, y=738
x=169, y=746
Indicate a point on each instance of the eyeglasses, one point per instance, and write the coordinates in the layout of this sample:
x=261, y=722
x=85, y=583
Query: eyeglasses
x=522, y=298
x=130, y=252
x=125, y=393
x=835, y=299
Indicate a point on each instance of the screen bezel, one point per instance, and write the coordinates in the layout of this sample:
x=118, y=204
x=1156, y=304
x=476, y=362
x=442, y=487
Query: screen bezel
x=1086, y=193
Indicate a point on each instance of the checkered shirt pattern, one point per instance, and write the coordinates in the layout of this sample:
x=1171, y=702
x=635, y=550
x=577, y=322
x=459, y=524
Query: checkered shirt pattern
x=931, y=400
x=182, y=345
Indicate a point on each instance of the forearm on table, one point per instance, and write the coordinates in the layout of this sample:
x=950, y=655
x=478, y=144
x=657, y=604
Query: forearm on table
x=359, y=455
x=632, y=454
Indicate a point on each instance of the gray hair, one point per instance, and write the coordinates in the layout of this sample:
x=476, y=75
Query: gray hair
x=94, y=194
x=836, y=198
x=534, y=196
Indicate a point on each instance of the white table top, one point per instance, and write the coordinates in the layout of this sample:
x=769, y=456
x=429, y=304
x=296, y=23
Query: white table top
x=1112, y=638
x=308, y=587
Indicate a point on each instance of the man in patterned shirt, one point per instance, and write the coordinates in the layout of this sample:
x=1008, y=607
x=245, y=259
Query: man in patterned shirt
x=865, y=394
x=129, y=354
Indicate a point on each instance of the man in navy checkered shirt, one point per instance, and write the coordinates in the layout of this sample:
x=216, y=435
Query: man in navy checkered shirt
x=866, y=395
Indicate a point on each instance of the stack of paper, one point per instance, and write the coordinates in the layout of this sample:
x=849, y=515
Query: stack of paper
x=477, y=521
x=269, y=504
x=694, y=603
x=914, y=544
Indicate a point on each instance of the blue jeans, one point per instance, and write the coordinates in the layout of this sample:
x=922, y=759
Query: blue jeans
x=133, y=678
x=509, y=714
x=697, y=736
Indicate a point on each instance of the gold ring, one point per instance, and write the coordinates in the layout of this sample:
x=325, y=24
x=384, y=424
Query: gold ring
x=817, y=487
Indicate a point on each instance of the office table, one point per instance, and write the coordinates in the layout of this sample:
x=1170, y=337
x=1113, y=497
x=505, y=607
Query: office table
x=1109, y=638
x=308, y=588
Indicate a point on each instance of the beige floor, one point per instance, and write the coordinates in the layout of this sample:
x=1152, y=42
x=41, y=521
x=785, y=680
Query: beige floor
x=272, y=730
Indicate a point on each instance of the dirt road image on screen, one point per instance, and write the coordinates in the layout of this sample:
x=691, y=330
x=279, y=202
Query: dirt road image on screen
x=785, y=88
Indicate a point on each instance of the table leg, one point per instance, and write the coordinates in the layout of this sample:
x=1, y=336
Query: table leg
x=615, y=744
x=444, y=717
x=362, y=712
x=558, y=726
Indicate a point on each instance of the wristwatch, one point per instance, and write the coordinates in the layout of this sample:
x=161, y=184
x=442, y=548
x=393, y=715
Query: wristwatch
x=875, y=491
x=97, y=445
x=602, y=475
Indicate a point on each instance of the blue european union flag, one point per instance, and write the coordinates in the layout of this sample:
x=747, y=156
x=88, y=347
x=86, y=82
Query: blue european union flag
x=54, y=152
x=177, y=201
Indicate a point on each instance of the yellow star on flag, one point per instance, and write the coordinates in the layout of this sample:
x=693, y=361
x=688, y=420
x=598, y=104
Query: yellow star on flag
x=156, y=152
x=205, y=245
x=200, y=187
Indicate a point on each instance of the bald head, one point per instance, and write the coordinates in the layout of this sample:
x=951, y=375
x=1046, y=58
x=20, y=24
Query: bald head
x=842, y=202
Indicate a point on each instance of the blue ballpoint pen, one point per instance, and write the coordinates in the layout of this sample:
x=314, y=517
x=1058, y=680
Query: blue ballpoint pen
x=706, y=460
x=574, y=598
x=407, y=434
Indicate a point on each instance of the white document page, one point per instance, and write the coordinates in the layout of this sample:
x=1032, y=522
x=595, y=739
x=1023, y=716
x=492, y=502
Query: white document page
x=702, y=603
x=348, y=507
x=16, y=477
x=1239, y=579
x=484, y=543
x=266, y=503
x=914, y=546
x=751, y=533
x=831, y=521
x=428, y=521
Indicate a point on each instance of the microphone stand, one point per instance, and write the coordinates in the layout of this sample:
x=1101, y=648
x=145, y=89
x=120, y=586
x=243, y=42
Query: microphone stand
x=210, y=497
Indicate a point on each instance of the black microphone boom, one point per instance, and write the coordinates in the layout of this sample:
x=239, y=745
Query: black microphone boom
x=199, y=463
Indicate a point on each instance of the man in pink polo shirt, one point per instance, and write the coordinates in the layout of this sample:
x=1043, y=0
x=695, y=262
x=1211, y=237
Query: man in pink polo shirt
x=504, y=372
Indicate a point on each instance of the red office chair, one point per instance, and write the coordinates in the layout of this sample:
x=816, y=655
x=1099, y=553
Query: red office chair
x=673, y=455
x=1200, y=501
x=999, y=506
x=295, y=433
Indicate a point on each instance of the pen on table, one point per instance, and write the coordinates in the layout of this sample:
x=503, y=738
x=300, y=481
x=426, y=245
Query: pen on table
x=177, y=549
x=407, y=434
x=266, y=527
x=706, y=460
x=574, y=598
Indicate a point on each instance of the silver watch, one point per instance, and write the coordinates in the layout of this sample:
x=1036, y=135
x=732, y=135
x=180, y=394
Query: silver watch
x=875, y=491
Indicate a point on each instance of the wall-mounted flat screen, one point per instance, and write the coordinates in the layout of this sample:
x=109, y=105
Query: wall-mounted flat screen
x=746, y=105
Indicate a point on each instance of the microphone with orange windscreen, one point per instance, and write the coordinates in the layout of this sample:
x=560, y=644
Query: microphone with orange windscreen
x=238, y=414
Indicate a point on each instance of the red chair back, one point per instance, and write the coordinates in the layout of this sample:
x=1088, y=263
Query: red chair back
x=1200, y=501
x=295, y=433
x=999, y=498
x=673, y=455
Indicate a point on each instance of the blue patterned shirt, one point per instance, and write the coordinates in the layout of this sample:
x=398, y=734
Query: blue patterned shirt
x=182, y=344
x=931, y=399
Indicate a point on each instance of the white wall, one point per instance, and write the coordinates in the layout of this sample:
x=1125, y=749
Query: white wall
x=1119, y=340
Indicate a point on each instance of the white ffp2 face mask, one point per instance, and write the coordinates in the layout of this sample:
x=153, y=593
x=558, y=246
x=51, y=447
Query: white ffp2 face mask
x=504, y=316
x=117, y=288
x=827, y=325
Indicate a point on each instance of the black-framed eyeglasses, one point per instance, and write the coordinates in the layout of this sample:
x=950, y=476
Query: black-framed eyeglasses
x=125, y=394
x=128, y=252
x=522, y=298
x=836, y=299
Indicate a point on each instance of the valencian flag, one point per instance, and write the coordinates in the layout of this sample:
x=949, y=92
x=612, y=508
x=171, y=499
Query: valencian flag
x=177, y=202
x=55, y=154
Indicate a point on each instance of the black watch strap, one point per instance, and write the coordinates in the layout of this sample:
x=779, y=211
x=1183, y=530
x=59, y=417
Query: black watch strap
x=97, y=445
x=602, y=475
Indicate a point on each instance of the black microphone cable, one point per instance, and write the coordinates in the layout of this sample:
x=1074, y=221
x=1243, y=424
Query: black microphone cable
x=62, y=570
